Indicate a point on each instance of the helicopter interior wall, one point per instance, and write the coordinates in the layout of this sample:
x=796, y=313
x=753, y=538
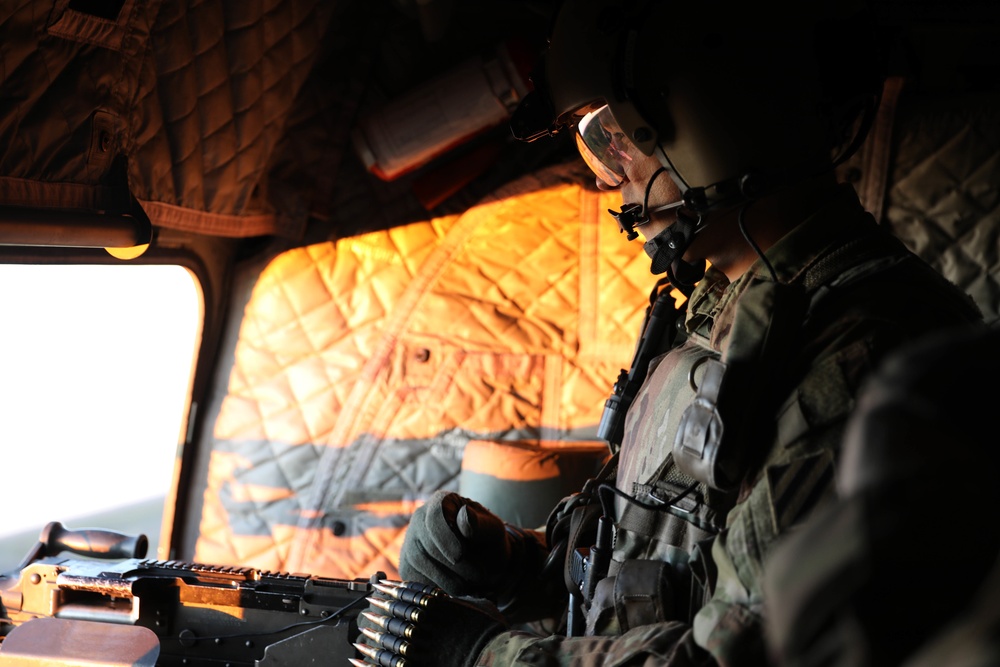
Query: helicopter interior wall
x=238, y=189
x=364, y=366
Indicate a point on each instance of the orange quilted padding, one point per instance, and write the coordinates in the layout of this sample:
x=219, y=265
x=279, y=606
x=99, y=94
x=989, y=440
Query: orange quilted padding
x=365, y=366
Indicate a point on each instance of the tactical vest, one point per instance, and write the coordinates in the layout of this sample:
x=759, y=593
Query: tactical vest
x=695, y=430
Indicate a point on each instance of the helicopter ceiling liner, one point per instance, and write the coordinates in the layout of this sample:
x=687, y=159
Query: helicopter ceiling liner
x=220, y=117
x=234, y=119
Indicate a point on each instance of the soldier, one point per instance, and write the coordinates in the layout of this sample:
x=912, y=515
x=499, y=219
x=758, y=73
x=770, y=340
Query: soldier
x=721, y=123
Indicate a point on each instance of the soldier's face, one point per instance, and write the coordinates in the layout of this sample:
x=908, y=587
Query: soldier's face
x=663, y=191
x=619, y=164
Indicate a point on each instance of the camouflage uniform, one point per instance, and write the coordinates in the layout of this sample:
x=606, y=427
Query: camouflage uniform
x=866, y=294
x=867, y=581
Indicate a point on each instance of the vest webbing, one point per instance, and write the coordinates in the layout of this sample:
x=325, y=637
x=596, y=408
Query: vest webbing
x=858, y=259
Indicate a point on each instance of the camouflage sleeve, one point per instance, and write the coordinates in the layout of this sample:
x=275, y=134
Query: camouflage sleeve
x=731, y=625
x=656, y=645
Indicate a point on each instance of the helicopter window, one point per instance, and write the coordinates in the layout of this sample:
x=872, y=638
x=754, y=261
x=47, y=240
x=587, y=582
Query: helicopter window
x=95, y=372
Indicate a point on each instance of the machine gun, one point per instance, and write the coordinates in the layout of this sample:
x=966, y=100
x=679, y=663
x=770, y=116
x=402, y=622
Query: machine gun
x=116, y=608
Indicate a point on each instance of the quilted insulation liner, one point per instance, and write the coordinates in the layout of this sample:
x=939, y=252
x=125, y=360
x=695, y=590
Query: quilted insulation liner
x=215, y=104
x=364, y=366
x=943, y=199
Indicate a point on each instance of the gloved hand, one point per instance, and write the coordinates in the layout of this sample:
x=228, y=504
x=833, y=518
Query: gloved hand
x=416, y=625
x=460, y=546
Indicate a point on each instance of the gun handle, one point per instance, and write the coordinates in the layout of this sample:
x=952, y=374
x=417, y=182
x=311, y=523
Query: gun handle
x=94, y=543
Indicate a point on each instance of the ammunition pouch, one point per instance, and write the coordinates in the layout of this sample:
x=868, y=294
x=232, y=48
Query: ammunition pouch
x=642, y=592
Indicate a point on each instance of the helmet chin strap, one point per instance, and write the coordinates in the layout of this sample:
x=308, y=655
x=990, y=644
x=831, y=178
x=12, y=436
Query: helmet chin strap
x=666, y=248
x=637, y=215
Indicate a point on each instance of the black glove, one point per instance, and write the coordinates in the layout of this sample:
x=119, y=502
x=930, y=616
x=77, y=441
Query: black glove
x=416, y=625
x=459, y=545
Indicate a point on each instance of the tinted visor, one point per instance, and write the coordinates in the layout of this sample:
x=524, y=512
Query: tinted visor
x=603, y=146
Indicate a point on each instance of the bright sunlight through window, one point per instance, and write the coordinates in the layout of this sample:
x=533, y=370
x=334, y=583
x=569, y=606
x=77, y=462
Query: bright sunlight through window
x=95, y=370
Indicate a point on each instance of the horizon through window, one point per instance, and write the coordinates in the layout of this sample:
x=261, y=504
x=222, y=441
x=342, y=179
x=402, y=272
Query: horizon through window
x=95, y=374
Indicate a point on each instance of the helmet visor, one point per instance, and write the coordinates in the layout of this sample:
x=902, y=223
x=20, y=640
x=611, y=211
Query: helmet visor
x=604, y=146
